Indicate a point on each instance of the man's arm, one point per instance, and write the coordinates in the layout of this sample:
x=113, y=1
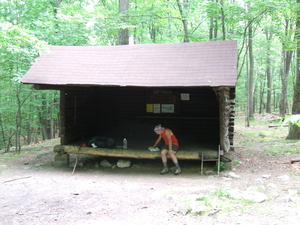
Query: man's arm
x=157, y=141
x=169, y=134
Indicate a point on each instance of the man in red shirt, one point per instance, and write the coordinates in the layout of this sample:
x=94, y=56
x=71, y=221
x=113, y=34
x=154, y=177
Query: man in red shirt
x=171, y=147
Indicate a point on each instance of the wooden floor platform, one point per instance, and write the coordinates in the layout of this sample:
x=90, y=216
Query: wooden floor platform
x=195, y=154
x=201, y=154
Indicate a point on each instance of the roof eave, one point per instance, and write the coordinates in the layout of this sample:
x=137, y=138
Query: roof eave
x=62, y=86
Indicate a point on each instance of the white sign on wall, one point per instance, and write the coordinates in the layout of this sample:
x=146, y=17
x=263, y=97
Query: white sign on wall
x=156, y=108
x=185, y=96
x=167, y=108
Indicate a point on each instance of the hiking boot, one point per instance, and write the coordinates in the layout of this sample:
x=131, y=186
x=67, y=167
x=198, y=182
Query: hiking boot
x=164, y=171
x=177, y=171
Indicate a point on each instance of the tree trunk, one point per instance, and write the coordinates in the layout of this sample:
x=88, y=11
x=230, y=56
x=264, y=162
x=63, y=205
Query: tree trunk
x=45, y=128
x=261, y=97
x=153, y=30
x=223, y=21
x=44, y=122
x=216, y=28
x=284, y=80
x=268, y=73
x=29, y=131
x=2, y=135
x=55, y=4
x=51, y=122
x=250, y=76
x=18, y=121
x=19, y=117
x=287, y=58
x=182, y=6
x=124, y=32
x=294, y=131
x=213, y=26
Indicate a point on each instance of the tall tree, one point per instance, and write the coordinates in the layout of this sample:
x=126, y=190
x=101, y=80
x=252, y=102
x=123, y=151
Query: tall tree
x=124, y=31
x=284, y=73
x=269, y=37
x=55, y=5
x=223, y=20
x=250, y=80
x=213, y=23
x=294, y=130
x=183, y=6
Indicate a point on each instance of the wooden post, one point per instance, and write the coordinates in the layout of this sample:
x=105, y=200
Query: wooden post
x=225, y=112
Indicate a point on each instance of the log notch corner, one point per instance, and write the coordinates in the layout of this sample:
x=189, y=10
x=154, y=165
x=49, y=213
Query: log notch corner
x=226, y=97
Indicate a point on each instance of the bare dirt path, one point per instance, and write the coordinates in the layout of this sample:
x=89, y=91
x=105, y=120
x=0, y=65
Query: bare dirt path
x=32, y=191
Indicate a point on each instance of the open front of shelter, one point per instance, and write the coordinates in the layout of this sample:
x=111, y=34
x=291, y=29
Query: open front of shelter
x=124, y=91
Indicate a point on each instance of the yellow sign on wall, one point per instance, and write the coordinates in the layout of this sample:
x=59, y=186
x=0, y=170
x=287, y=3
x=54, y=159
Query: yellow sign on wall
x=149, y=108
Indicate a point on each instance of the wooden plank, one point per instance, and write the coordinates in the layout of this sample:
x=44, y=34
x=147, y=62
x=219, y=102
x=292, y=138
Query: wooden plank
x=133, y=153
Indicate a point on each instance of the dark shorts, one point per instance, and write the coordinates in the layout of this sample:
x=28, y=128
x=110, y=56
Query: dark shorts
x=174, y=147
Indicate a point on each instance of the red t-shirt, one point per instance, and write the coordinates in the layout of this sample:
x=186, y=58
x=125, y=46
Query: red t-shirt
x=173, y=138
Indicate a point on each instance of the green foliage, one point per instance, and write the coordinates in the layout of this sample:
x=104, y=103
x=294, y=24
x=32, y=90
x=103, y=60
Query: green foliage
x=291, y=119
x=222, y=167
x=18, y=48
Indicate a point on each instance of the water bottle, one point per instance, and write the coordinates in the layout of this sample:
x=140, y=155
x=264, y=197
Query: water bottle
x=124, y=143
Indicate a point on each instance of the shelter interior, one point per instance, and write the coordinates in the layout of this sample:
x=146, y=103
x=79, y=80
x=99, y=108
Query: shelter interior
x=132, y=112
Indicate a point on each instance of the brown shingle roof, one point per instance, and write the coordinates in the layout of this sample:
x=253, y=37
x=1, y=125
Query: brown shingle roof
x=149, y=65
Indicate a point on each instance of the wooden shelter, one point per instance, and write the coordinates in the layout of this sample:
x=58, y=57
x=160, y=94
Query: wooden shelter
x=124, y=91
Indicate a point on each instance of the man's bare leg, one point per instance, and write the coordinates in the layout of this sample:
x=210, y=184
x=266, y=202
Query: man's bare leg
x=164, y=159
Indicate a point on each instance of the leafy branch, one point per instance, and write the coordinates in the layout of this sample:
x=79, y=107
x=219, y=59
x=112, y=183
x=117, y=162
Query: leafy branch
x=291, y=119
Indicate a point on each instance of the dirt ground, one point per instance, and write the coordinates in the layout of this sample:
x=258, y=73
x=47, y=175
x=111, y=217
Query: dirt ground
x=33, y=191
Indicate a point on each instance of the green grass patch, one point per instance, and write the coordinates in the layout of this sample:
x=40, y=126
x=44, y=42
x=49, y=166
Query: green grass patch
x=237, y=162
x=257, y=121
x=39, y=147
x=9, y=156
x=260, y=134
x=282, y=148
x=263, y=136
x=25, y=150
x=221, y=199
